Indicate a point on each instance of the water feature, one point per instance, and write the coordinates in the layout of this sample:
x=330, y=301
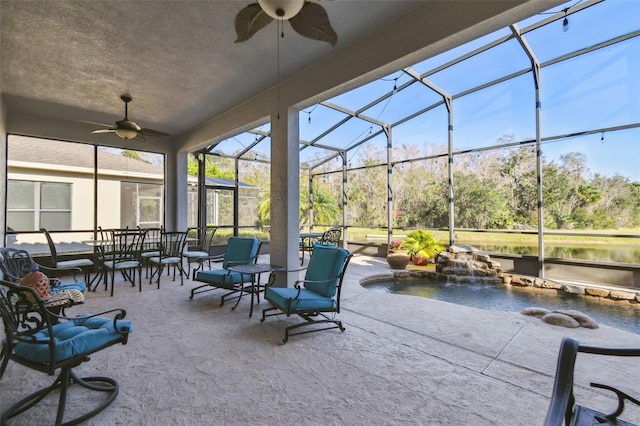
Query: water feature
x=513, y=299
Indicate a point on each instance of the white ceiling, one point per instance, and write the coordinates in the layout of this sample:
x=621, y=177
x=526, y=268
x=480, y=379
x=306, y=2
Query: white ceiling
x=71, y=60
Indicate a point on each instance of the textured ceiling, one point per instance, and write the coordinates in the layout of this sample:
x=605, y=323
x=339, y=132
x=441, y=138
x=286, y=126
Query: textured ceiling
x=71, y=60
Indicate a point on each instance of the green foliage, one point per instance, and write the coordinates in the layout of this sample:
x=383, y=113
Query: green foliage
x=134, y=155
x=421, y=243
x=325, y=206
x=213, y=167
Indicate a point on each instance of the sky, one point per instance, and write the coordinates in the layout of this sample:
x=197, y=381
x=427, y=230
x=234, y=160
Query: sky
x=595, y=90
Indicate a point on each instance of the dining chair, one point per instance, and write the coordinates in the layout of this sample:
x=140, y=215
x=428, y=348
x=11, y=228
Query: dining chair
x=151, y=247
x=85, y=264
x=201, y=251
x=125, y=257
x=170, y=254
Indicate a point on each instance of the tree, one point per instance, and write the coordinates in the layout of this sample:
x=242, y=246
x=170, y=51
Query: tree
x=213, y=168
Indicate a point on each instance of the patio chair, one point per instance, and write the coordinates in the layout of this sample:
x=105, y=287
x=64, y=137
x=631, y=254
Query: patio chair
x=42, y=341
x=16, y=263
x=124, y=256
x=170, y=254
x=151, y=247
x=329, y=238
x=85, y=264
x=240, y=251
x=317, y=295
x=563, y=408
x=201, y=251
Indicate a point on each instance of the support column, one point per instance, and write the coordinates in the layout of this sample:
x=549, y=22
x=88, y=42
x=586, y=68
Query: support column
x=387, y=132
x=202, y=192
x=345, y=206
x=176, y=191
x=285, y=190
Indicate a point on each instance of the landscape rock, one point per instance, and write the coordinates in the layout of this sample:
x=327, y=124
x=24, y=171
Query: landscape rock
x=584, y=320
x=534, y=312
x=573, y=289
x=562, y=320
x=551, y=284
x=597, y=292
x=622, y=295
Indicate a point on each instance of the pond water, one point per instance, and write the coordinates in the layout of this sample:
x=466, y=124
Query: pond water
x=606, y=253
x=514, y=299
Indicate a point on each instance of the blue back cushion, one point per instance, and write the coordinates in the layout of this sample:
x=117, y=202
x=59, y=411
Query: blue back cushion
x=325, y=263
x=240, y=251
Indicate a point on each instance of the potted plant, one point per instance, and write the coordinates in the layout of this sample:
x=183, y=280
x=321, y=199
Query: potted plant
x=397, y=255
x=422, y=246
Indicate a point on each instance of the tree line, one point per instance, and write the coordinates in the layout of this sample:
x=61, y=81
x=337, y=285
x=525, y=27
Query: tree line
x=493, y=189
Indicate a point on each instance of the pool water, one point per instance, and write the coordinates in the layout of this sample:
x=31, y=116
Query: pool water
x=514, y=299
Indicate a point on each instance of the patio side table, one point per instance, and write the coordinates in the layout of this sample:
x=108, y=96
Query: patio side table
x=254, y=269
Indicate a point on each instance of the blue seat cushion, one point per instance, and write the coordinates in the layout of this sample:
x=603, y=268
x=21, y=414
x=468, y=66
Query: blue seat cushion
x=222, y=277
x=325, y=244
x=128, y=264
x=150, y=254
x=76, y=263
x=76, y=337
x=166, y=260
x=81, y=286
x=195, y=254
x=307, y=301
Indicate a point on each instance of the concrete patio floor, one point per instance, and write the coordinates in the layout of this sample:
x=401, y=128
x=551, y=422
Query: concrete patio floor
x=402, y=360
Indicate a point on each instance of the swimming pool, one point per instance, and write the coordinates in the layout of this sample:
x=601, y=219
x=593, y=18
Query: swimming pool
x=513, y=299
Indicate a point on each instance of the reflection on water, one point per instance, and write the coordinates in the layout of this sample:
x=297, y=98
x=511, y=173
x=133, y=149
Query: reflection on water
x=514, y=299
x=617, y=253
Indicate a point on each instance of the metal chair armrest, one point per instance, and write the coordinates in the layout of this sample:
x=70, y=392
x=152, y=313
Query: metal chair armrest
x=58, y=272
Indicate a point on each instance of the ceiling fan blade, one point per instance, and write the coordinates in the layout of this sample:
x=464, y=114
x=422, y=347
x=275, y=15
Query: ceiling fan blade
x=249, y=21
x=151, y=132
x=140, y=137
x=313, y=22
x=95, y=123
x=104, y=131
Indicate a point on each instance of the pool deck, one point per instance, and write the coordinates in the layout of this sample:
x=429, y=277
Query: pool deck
x=402, y=360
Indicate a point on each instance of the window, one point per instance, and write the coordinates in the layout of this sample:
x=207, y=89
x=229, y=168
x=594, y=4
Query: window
x=141, y=205
x=34, y=205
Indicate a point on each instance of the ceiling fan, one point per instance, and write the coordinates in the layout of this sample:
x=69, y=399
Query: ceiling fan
x=307, y=19
x=128, y=129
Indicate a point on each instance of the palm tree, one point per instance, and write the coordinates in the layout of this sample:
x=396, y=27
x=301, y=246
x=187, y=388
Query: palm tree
x=325, y=207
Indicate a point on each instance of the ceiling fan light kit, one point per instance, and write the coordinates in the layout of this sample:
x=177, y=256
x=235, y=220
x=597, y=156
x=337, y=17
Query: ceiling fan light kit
x=281, y=9
x=126, y=133
x=308, y=19
x=128, y=129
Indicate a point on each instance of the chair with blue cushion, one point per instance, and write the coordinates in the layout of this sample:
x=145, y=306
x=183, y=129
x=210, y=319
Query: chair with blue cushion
x=171, y=247
x=329, y=238
x=240, y=251
x=43, y=341
x=86, y=265
x=16, y=263
x=563, y=408
x=200, y=252
x=125, y=256
x=151, y=247
x=314, y=297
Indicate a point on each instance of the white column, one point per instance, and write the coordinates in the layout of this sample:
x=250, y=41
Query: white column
x=285, y=189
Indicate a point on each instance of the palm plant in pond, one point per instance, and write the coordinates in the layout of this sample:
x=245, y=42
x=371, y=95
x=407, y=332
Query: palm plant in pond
x=422, y=246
